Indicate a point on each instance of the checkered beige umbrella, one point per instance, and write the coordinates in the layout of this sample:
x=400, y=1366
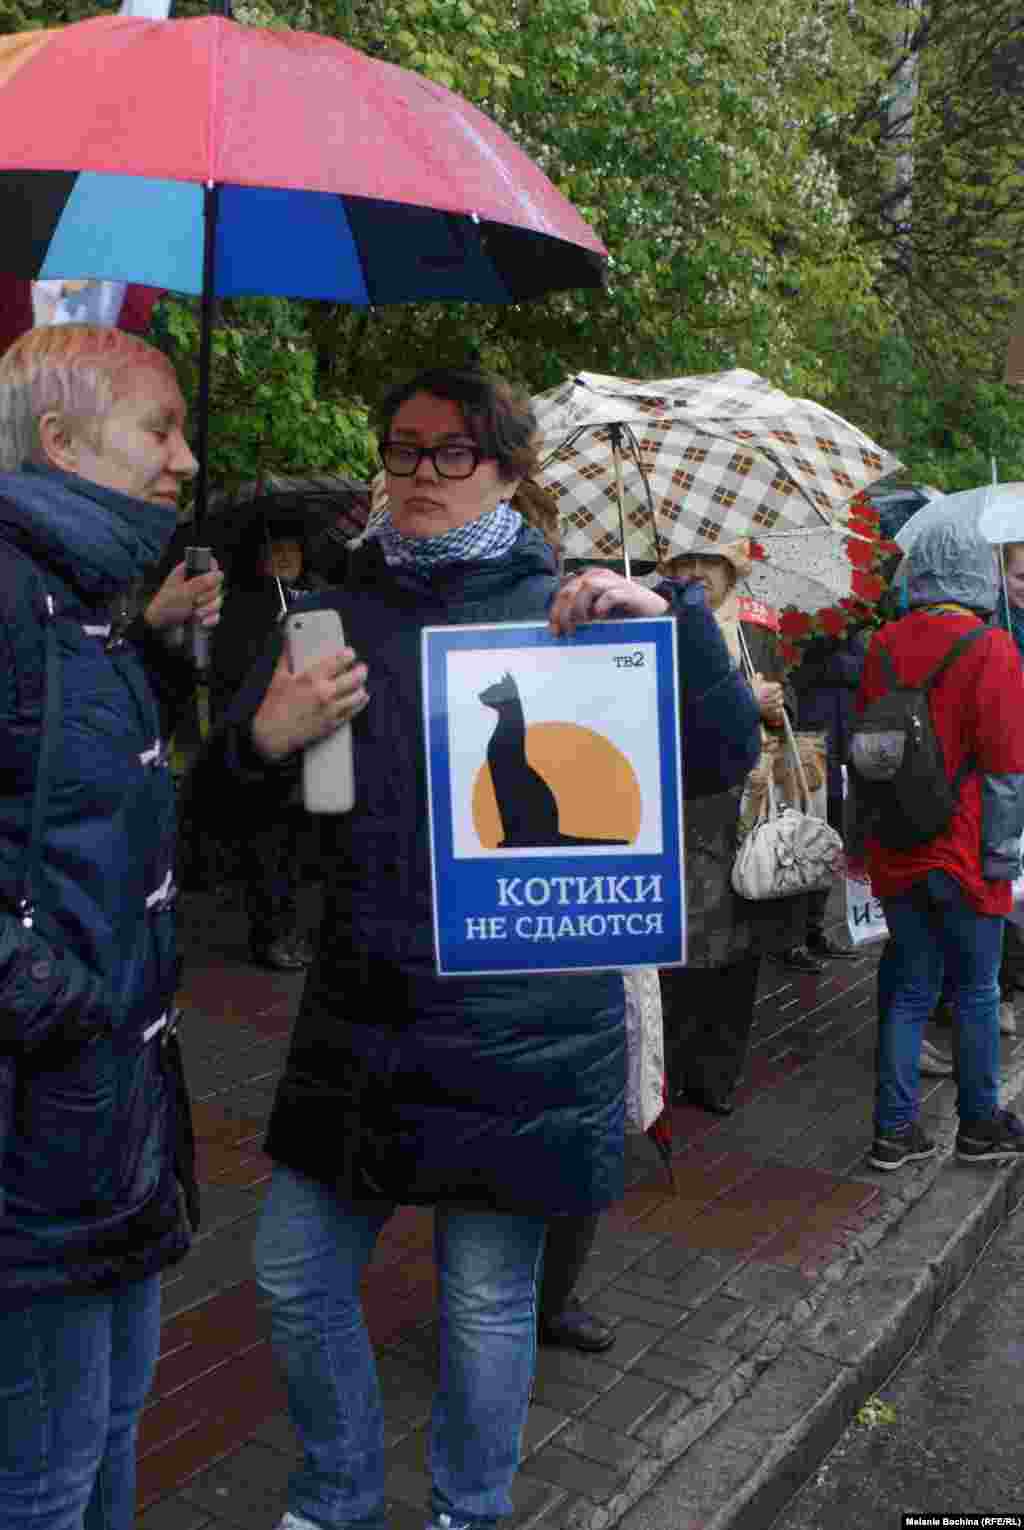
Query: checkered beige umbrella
x=648, y=470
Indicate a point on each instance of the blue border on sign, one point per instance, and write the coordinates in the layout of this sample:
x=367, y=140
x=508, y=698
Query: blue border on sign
x=488, y=893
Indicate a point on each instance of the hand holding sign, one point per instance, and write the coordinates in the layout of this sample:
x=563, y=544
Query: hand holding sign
x=596, y=593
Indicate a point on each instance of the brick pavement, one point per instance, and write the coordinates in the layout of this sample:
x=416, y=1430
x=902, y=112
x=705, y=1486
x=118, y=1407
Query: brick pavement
x=713, y=1288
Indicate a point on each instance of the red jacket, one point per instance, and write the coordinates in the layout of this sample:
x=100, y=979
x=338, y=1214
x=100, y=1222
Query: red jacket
x=977, y=710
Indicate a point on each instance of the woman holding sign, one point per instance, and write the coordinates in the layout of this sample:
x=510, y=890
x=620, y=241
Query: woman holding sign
x=497, y=1100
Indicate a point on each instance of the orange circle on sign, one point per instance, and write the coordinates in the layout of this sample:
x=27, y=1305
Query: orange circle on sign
x=596, y=787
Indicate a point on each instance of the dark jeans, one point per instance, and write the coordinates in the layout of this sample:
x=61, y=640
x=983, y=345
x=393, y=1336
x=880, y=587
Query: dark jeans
x=74, y=1374
x=934, y=930
x=708, y=1015
x=312, y=1248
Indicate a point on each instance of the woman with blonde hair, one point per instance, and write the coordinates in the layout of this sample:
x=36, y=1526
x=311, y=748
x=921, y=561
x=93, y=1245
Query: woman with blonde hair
x=97, y=1191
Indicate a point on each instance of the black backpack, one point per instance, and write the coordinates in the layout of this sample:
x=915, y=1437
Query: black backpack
x=896, y=766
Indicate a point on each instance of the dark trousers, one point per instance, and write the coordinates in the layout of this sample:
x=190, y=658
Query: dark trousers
x=817, y=901
x=270, y=869
x=1011, y=972
x=816, y=905
x=708, y=1014
x=569, y=1241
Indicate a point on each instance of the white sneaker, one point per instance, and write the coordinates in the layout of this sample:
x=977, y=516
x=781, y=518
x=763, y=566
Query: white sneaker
x=935, y=1062
x=296, y=1522
x=1007, y=1017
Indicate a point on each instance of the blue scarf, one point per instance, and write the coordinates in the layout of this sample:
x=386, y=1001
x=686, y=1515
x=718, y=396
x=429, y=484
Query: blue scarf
x=490, y=536
x=100, y=540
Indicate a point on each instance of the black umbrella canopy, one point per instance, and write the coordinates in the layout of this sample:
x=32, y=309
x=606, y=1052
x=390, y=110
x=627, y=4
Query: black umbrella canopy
x=324, y=512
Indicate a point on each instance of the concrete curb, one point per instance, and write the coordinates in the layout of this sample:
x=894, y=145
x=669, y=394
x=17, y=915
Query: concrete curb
x=734, y=1463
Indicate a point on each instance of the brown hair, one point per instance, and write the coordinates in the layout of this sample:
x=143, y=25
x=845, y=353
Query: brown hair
x=498, y=417
x=539, y=508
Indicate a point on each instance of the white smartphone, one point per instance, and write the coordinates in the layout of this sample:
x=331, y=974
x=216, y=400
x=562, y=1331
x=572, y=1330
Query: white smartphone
x=328, y=775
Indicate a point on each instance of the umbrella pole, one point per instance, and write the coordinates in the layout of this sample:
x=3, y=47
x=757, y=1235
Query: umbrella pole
x=211, y=196
x=639, y=465
x=615, y=431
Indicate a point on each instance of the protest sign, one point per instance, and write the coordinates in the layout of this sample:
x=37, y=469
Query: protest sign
x=555, y=796
x=864, y=917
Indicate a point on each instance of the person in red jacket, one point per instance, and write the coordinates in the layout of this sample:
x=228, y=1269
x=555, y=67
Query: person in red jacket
x=945, y=901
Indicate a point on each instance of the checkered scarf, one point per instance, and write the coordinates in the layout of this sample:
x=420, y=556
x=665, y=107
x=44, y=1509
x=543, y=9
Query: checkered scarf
x=489, y=536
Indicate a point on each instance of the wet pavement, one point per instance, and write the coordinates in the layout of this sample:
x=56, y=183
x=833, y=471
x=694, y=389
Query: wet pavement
x=945, y=1435
x=756, y=1305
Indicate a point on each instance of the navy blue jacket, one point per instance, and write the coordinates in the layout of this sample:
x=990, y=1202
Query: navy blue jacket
x=85, y=1127
x=506, y=1091
x=825, y=682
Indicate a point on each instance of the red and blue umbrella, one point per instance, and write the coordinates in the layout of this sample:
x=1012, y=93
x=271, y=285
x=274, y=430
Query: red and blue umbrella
x=212, y=158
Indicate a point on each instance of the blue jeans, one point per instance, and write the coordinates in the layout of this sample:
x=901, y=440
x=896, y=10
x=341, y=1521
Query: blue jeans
x=74, y=1374
x=933, y=929
x=311, y=1250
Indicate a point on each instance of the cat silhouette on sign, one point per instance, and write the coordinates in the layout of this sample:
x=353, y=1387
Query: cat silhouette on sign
x=527, y=806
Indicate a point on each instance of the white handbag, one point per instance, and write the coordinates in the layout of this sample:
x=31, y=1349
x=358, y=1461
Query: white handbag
x=788, y=850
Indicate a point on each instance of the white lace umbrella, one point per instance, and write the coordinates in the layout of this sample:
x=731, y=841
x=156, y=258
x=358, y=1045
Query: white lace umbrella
x=649, y=470
x=814, y=569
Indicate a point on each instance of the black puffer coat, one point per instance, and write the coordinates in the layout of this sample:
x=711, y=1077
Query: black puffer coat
x=505, y=1091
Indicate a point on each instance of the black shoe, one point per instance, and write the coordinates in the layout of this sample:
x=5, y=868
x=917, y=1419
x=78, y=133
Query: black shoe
x=717, y=1104
x=1000, y=1140
x=821, y=944
x=891, y=1150
x=799, y=959
x=280, y=954
x=575, y=1328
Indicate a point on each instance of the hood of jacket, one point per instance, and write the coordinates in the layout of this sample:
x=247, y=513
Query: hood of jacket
x=949, y=560
x=95, y=539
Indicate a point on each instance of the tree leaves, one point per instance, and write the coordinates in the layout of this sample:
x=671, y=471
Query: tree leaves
x=745, y=167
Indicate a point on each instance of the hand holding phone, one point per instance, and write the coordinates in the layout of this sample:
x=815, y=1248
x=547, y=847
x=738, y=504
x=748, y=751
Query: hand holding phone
x=328, y=774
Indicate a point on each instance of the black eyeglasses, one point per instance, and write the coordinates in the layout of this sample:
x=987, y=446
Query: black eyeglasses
x=449, y=461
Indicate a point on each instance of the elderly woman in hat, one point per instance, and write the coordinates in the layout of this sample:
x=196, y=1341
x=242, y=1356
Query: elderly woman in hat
x=709, y=1003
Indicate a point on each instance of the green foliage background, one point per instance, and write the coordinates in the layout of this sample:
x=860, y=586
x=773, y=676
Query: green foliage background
x=742, y=161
